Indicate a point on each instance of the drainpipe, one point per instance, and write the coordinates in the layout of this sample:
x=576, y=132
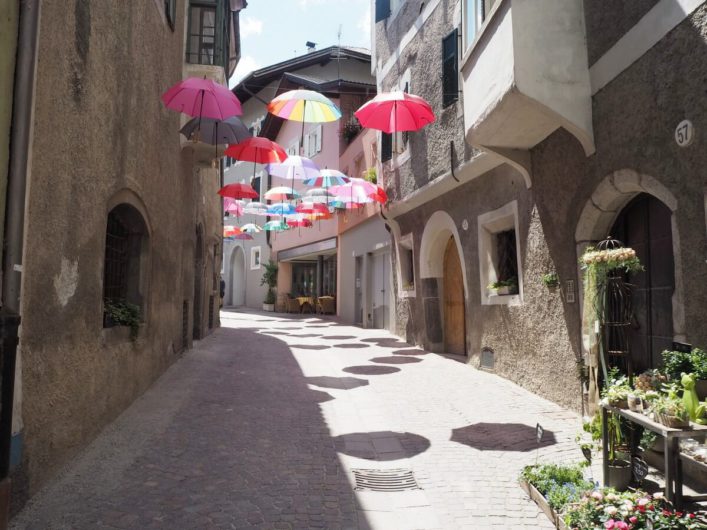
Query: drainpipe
x=14, y=231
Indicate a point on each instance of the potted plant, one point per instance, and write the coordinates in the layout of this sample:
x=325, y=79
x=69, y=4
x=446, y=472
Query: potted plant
x=619, y=464
x=269, y=279
x=504, y=287
x=617, y=390
x=350, y=130
x=121, y=313
x=370, y=175
x=551, y=280
x=671, y=412
x=675, y=363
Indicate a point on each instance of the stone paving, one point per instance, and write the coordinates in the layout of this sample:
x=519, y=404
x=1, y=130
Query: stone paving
x=260, y=425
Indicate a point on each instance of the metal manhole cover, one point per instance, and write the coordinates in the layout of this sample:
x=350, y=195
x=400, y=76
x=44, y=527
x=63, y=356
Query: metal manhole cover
x=384, y=480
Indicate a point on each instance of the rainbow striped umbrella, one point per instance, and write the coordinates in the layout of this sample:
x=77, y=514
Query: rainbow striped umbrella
x=328, y=178
x=276, y=226
x=305, y=106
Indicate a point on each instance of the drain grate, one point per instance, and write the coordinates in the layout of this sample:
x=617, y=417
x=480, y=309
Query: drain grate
x=384, y=480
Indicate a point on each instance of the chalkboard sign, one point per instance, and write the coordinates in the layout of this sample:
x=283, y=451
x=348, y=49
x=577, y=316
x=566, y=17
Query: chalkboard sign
x=539, y=432
x=682, y=347
x=640, y=469
x=587, y=452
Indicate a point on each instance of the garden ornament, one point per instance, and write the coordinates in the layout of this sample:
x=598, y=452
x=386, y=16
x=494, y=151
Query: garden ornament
x=691, y=401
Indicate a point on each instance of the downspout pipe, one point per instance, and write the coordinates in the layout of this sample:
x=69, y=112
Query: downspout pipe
x=15, y=217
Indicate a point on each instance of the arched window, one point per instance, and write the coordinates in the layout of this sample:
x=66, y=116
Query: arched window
x=125, y=267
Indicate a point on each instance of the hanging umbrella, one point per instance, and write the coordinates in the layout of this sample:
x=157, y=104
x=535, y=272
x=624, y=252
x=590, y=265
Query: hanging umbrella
x=233, y=206
x=298, y=221
x=395, y=111
x=311, y=208
x=356, y=191
x=202, y=98
x=251, y=228
x=215, y=132
x=257, y=150
x=243, y=236
x=317, y=192
x=256, y=208
x=305, y=106
x=345, y=204
x=276, y=226
x=294, y=167
x=328, y=178
x=281, y=208
x=230, y=231
x=281, y=193
x=238, y=190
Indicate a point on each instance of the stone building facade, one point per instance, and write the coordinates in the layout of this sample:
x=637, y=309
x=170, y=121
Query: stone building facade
x=118, y=206
x=550, y=122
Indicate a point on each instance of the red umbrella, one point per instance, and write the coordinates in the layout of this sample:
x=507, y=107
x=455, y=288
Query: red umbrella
x=299, y=222
x=310, y=208
x=203, y=98
x=238, y=191
x=395, y=111
x=258, y=150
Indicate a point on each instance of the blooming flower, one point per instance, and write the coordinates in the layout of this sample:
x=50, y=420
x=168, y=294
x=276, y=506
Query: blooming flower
x=597, y=495
x=611, y=510
x=643, y=501
x=633, y=519
x=658, y=495
x=610, y=524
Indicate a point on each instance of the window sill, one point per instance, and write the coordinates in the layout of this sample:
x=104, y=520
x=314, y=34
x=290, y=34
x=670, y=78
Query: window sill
x=502, y=299
x=115, y=335
x=408, y=293
x=480, y=34
x=398, y=160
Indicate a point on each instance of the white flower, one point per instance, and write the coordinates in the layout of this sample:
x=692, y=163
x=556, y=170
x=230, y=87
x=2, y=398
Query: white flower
x=611, y=510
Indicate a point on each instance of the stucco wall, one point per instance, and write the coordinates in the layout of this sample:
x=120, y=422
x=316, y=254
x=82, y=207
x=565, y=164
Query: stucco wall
x=635, y=117
x=535, y=343
x=100, y=128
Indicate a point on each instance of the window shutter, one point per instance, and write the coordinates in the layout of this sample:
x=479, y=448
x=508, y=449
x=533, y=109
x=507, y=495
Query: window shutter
x=318, y=146
x=170, y=10
x=386, y=147
x=450, y=73
x=382, y=9
x=306, y=146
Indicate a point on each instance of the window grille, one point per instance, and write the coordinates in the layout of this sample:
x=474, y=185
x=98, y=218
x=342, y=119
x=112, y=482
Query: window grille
x=115, y=279
x=386, y=147
x=450, y=74
x=506, y=252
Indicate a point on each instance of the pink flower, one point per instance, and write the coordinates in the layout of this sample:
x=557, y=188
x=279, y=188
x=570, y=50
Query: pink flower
x=597, y=495
x=611, y=510
x=643, y=501
x=620, y=525
x=633, y=519
x=609, y=524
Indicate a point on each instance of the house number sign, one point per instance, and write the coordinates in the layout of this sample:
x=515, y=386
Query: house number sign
x=684, y=133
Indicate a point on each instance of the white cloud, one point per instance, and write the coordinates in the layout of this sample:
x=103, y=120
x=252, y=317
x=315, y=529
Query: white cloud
x=251, y=26
x=245, y=66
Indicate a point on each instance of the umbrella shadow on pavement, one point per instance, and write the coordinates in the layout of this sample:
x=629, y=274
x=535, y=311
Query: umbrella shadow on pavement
x=501, y=437
x=371, y=370
x=381, y=445
x=339, y=383
x=410, y=351
x=395, y=360
x=352, y=346
x=338, y=337
x=310, y=346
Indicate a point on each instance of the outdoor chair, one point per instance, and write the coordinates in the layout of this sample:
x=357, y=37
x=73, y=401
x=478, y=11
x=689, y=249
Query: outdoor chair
x=327, y=305
x=292, y=305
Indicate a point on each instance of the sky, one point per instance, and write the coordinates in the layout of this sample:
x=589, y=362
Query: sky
x=276, y=30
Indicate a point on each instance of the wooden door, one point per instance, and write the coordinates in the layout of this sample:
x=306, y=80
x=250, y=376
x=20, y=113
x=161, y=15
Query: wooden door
x=645, y=225
x=454, y=316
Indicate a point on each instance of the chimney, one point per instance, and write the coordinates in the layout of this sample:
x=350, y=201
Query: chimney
x=311, y=46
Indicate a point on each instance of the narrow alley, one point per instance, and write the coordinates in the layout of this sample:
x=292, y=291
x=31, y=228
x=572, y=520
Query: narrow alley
x=264, y=422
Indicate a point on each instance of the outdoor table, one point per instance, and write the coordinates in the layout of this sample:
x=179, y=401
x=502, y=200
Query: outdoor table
x=671, y=441
x=303, y=301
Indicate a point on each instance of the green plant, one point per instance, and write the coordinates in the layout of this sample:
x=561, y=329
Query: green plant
x=671, y=406
x=350, y=129
x=371, y=175
x=551, y=279
x=599, y=263
x=694, y=362
x=270, y=297
x=510, y=282
x=648, y=438
x=270, y=275
x=617, y=388
x=123, y=313
x=560, y=485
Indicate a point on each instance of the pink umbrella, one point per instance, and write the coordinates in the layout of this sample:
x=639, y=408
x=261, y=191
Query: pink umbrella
x=203, y=98
x=395, y=111
x=356, y=191
x=233, y=206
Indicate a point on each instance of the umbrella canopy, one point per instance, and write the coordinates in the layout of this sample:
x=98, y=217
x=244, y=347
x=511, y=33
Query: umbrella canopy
x=281, y=208
x=275, y=226
x=202, y=98
x=238, y=191
x=318, y=192
x=230, y=231
x=395, y=111
x=298, y=221
x=251, y=228
x=281, y=193
x=215, y=132
x=243, y=236
x=294, y=167
x=233, y=206
x=305, y=106
x=255, y=208
x=357, y=190
x=346, y=204
x=311, y=208
x=258, y=150
x=328, y=178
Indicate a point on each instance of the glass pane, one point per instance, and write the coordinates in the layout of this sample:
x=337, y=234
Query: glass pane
x=470, y=14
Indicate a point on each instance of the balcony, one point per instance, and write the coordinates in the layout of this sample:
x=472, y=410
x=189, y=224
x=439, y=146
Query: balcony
x=527, y=75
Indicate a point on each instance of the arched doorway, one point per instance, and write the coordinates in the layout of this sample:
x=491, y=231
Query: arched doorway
x=236, y=281
x=198, y=283
x=453, y=301
x=645, y=225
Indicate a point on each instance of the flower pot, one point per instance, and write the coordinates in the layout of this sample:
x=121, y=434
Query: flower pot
x=619, y=475
x=619, y=404
x=673, y=421
x=503, y=290
x=635, y=403
x=269, y=307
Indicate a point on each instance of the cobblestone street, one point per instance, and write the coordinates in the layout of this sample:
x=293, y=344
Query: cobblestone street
x=261, y=425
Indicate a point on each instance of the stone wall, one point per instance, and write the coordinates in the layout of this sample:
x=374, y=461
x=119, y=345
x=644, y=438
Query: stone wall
x=101, y=131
